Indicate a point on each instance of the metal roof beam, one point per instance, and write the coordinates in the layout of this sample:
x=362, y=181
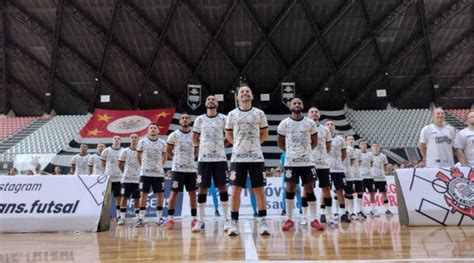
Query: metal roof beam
x=446, y=56
x=49, y=100
x=467, y=75
x=105, y=53
x=4, y=92
x=439, y=20
x=35, y=25
x=17, y=83
x=427, y=43
x=151, y=63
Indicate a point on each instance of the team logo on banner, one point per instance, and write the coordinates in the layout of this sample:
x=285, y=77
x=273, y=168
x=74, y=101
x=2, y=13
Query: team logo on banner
x=194, y=96
x=287, y=92
x=459, y=191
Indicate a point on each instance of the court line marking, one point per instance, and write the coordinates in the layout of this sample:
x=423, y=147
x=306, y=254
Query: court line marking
x=250, y=249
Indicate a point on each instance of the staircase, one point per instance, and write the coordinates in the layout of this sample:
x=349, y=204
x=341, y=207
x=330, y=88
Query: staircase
x=454, y=121
x=12, y=141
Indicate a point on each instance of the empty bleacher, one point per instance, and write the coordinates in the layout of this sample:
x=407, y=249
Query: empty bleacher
x=51, y=137
x=390, y=128
x=9, y=126
x=461, y=114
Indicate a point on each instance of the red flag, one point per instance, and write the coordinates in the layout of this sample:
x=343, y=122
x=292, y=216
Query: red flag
x=108, y=123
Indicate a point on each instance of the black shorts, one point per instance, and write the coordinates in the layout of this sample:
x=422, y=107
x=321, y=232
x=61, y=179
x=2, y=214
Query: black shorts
x=238, y=174
x=353, y=187
x=156, y=183
x=216, y=171
x=116, y=189
x=338, y=180
x=307, y=174
x=181, y=179
x=380, y=186
x=130, y=189
x=368, y=185
x=323, y=177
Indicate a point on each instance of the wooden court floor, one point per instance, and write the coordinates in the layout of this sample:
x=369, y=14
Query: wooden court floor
x=373, y=239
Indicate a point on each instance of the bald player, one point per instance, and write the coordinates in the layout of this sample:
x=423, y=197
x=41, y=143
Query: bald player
x=110, y=161
x=464, y=144
x=79, y=161
x=95, y=165
x=437, y=141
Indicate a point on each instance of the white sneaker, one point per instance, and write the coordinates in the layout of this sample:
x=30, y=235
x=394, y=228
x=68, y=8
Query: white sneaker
x=303, y=221
x=121, y=222
x=263, y=228
x=161, y=221
x=226, y=225
x=332, y=222
x=198, y=227
x=233, y=229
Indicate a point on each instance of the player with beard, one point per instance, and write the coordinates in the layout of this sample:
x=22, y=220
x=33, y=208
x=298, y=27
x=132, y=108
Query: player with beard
x=110, y=160
x=79, y=161
x=128, y=165
x=95, y=166
x=209, y=134
x=151, y=156
x=320, y=154
x=247, y=128
x=297, y=136
x=464, y=144
x=182, y=151
x=338, y=178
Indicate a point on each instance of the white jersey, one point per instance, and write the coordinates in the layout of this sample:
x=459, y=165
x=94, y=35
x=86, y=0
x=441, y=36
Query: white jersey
x=297, y=135
x=211, y=140
x=131, y=171
x=335, y=155
x=378, y=164
x=183, y=151
x=81, y=163
x=152, y=156
x=111, y=158
x=347, y=163
x=320, y=153
x=94, y=161
x=365, y=167
x=355, y=169
x=439, y=145
x=465, y=141
x=246, y=126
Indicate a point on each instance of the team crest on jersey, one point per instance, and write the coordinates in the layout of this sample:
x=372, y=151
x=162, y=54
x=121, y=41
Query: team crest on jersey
x=232, y=175
x=199, y=179
x=459, y=191
x=175, y=184
x=288, y=174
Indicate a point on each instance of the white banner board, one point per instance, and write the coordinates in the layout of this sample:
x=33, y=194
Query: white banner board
x=274, y=192
x=51, y=203
x=438, y=196
x=25, y=162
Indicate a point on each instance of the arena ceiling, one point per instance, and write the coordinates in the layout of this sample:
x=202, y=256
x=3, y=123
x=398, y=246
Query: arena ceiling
x=144, y=53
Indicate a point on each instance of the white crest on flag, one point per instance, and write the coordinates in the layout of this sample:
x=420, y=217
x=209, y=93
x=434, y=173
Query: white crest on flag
x=128, y=124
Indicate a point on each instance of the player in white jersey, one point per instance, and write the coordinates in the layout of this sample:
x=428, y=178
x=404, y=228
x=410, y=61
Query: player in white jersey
x=379, y=169
x=129, y=167
x=151, y=156
x=94, y=163
x=182, y=151
x=110, y=160
x=437, y=141
x=209, y=134
x=336, y=168
x=79, y=161
x=365, y=169
x=247, y=128
x=464, y=144
x=320, y=154
x=354, y=182
x=298, y=136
